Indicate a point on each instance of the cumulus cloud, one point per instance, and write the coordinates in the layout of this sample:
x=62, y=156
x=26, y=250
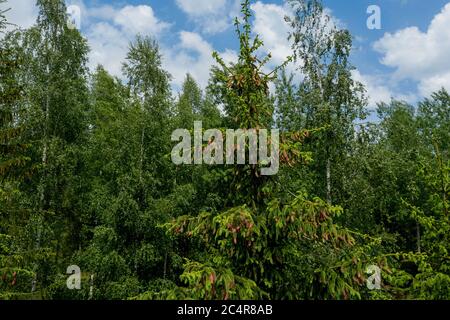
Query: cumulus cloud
x=109, y=31
x=376, y=91
x=192, y=55
x=421, y=56
x=434, y=83
x=211, y=16
x=379, y=89
x=270, y=24
x=110, y=28
x=139, y=20
x=22, y=13
x=201, y=7
x=108, y=47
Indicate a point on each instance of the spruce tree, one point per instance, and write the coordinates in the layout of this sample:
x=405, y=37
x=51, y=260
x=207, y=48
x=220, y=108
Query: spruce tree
x=259, y=245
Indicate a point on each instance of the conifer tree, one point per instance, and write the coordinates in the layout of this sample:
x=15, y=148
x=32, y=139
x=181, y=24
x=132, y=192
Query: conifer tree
x=255, y=246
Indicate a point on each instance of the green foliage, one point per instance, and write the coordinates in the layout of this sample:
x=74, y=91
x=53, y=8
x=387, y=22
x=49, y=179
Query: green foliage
x=328, y=97
x=86, y=177
x=258, y=236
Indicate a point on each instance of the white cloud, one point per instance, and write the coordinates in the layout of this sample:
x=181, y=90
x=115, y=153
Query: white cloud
x=192, y=55
x=110, y=37
x=201, y=7
x=109, y=40
x=139, y=19
x=334, y=22
x=22, y=13
x=380, y=89
x=376, y=91
x=434, y=83
x=211, y=16
x=269, y=23
x=108, y=47
x=108, y=29
x=420, y=56
x=105, y=12
x=229, y=56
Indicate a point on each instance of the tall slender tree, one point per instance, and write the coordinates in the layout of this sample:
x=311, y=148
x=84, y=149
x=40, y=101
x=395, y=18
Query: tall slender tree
x=332, y=98
x=55, y=73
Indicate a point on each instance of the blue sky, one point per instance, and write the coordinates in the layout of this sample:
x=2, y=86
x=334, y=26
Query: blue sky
x=407, y=59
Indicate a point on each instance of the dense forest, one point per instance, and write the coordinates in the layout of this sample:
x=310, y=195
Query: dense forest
x=87, y=180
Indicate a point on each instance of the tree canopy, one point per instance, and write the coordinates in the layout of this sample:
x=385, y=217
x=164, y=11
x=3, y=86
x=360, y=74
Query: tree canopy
x=86, y=177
